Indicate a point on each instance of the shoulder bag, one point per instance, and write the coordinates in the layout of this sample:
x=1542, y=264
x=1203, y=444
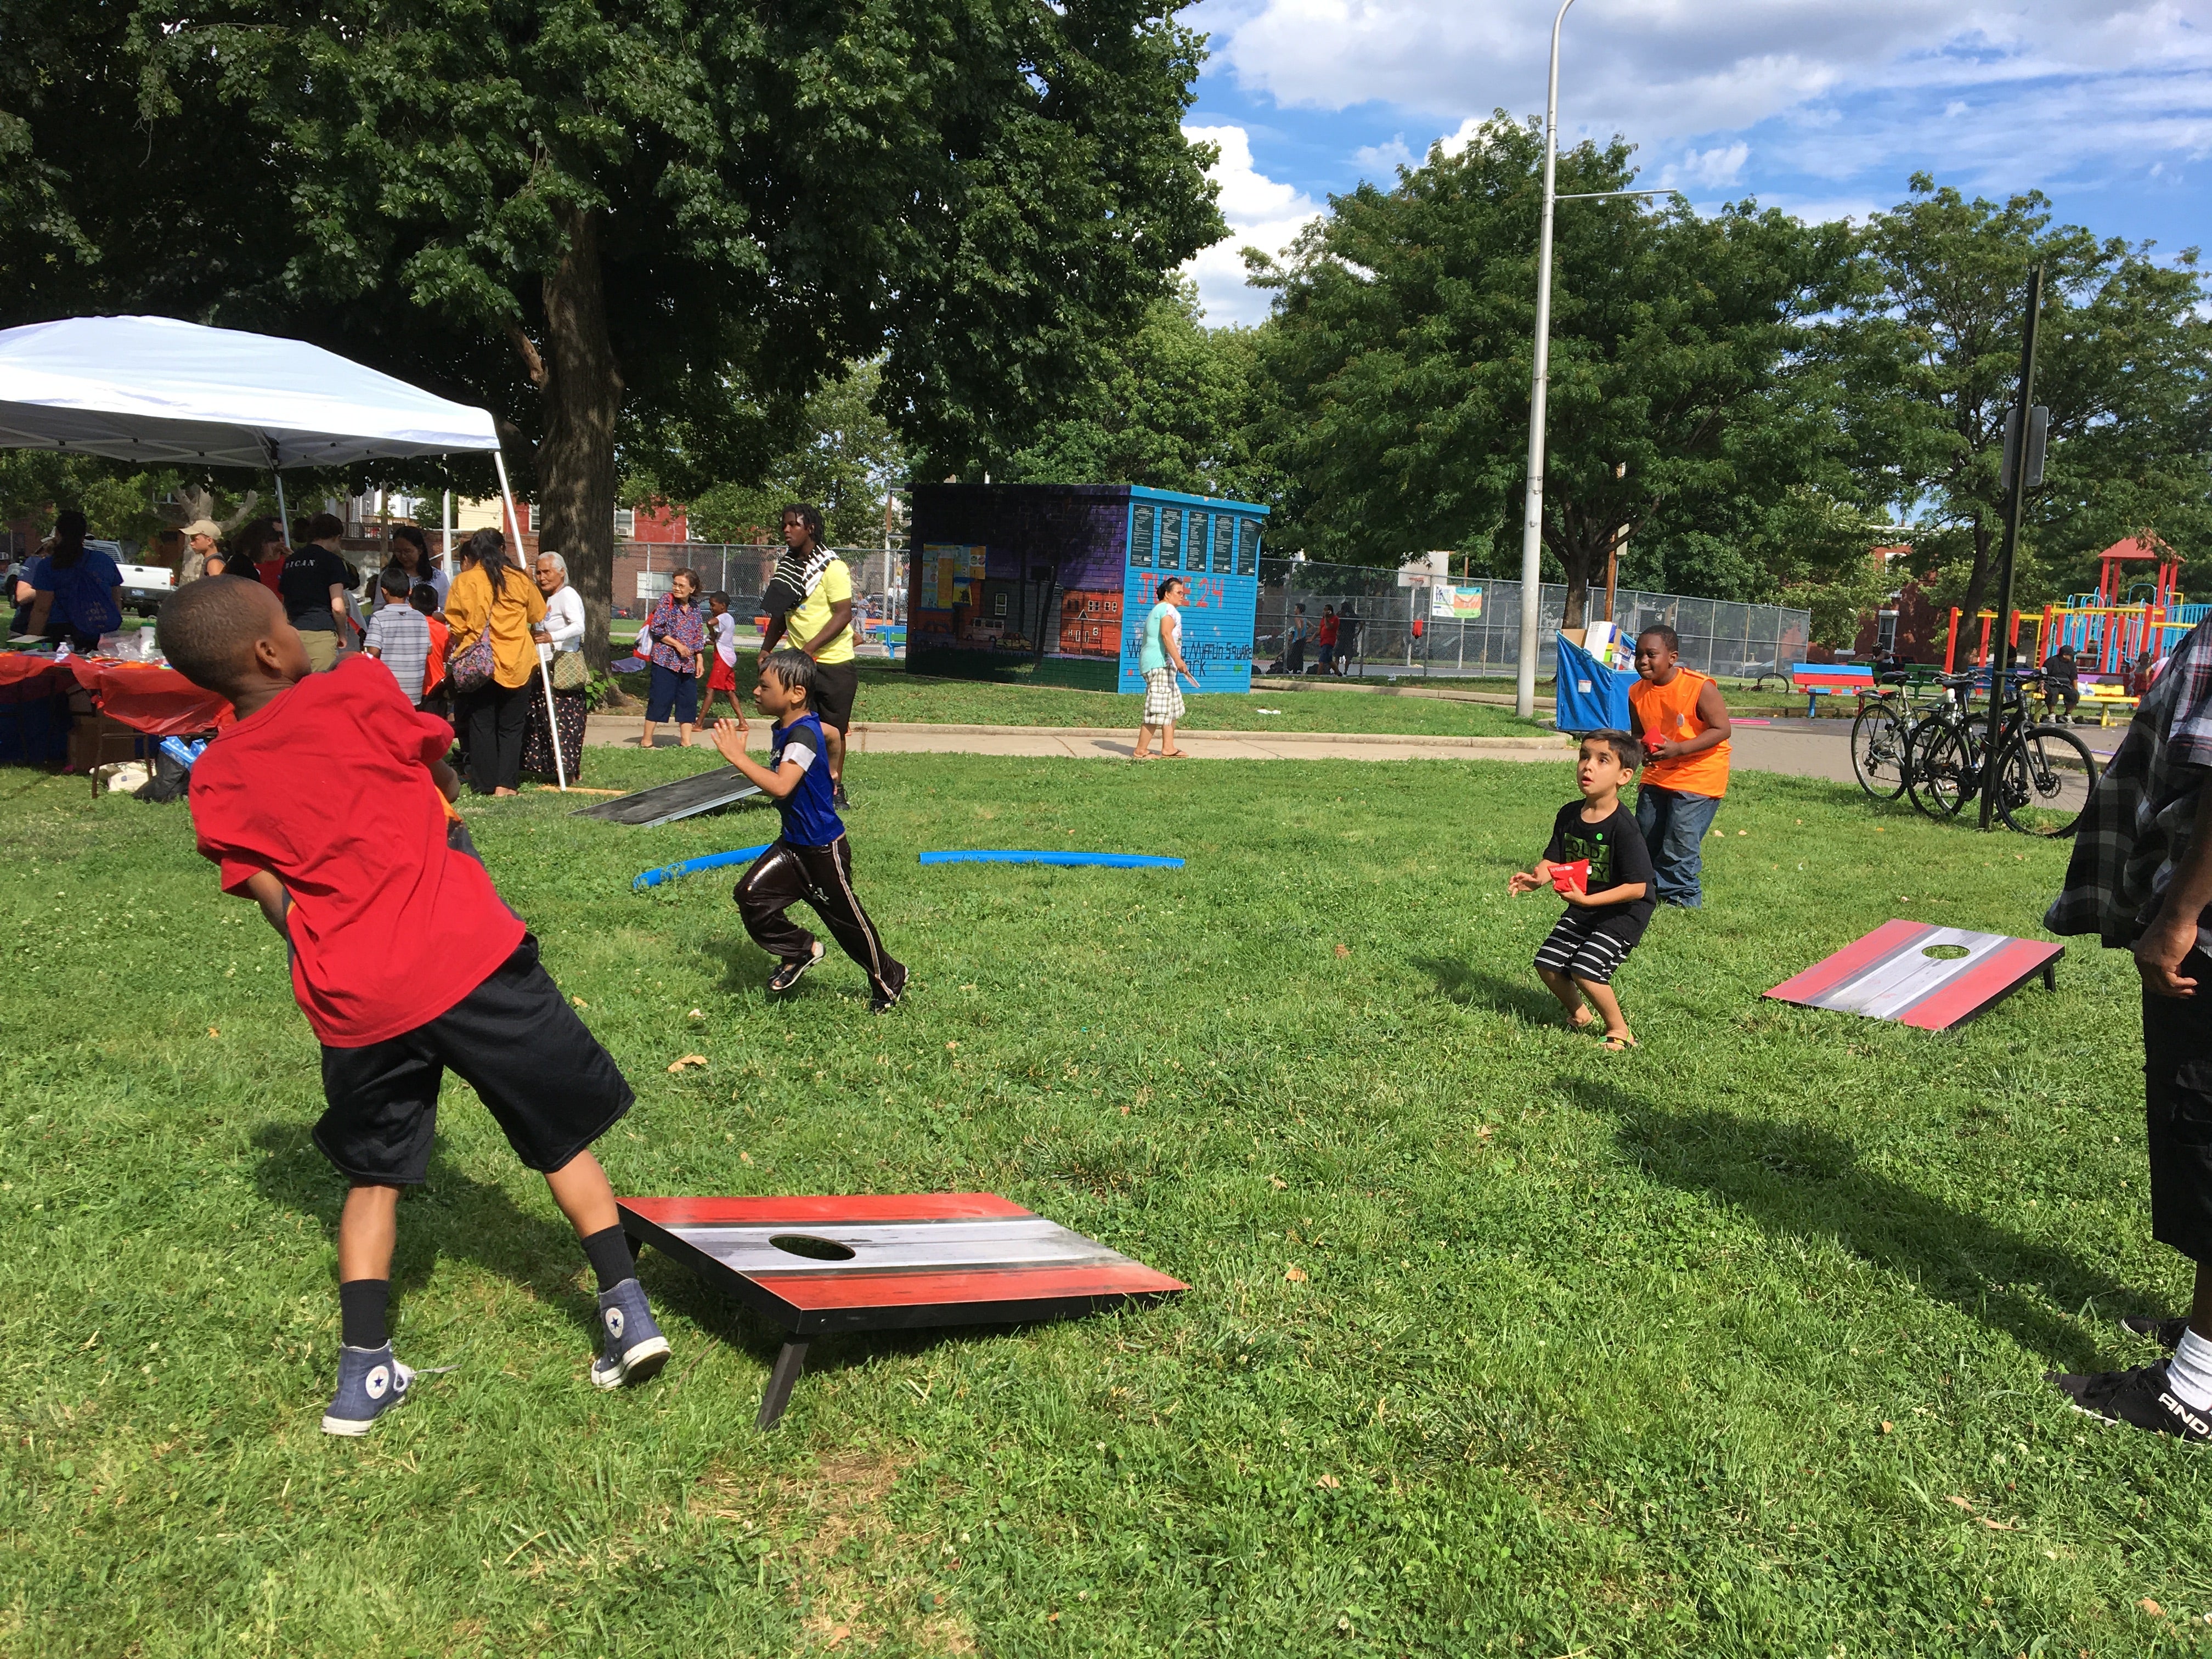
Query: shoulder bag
x=470, y=670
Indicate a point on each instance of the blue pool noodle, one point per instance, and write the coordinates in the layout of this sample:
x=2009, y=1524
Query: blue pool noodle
x=693, y=867
x=1109, y=860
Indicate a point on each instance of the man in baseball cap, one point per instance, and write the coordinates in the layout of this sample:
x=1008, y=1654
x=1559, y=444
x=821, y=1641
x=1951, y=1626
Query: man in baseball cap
x=203, y=539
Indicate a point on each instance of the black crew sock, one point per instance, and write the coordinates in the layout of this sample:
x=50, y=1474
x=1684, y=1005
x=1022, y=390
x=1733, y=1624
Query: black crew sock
x=361, y=1304
x=610, y=1258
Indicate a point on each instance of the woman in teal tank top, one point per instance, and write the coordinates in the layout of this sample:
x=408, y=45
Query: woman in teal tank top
x=1160, y=659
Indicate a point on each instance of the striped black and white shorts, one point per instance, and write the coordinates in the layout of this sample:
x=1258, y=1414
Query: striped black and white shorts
x=1584, y=947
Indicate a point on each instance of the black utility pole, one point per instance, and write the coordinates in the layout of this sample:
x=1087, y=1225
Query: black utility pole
x=2016, y=453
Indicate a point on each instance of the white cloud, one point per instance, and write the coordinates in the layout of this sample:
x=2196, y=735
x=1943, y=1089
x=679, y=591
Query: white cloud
x=2109, y=82
x=1714, y=170
x=1382, y=161
x=1261, y=214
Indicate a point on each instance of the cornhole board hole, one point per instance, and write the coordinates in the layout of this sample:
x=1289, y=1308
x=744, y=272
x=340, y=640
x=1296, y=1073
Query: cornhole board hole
x=668, y=802
x=819, y=1266
x=1917, y=974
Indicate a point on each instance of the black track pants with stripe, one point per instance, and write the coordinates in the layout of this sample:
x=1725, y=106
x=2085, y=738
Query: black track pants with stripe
x=823, y=876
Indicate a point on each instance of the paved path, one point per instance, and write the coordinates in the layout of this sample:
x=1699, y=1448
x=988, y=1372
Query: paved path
x=1795, y=748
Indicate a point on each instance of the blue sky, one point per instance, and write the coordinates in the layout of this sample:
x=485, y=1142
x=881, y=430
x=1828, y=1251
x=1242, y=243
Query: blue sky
x=1823, y=107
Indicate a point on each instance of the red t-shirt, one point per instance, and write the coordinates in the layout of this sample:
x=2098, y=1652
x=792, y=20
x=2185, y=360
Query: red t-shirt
x=271, y=572
x=328, y=788
x=434, y=670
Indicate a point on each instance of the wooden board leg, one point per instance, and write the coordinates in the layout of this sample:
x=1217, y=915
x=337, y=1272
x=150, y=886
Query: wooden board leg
x=2051, y=975
x=788, y=1363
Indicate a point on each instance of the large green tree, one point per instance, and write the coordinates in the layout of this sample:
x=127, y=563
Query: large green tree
x=1175, y=404
x=637, y=230
x=1401, y=345
x=1930, y=363
x=839, y=453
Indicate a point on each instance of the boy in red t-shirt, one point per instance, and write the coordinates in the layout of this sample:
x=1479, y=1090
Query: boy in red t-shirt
x=327, y=805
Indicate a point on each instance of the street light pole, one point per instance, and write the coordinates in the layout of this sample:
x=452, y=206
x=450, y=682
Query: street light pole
x=1532, y=523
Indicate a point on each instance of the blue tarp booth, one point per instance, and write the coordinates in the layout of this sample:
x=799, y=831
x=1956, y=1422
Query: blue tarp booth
x=1055, y=581
x=1590, y=697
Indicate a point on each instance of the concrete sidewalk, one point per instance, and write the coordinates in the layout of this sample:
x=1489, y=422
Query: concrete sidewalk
x=1094, y=743
x=1804, y=749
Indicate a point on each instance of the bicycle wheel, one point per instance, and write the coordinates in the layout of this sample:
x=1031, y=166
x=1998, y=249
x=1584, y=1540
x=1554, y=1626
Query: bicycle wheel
x=2044, y=780
x=1878, y=749
x=1941, y=774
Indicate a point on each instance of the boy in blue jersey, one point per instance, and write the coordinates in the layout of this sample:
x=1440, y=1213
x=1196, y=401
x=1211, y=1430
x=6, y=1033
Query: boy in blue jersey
x=811, y=859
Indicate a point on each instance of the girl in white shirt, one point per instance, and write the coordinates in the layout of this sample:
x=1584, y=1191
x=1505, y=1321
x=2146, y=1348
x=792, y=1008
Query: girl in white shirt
x=723, y=676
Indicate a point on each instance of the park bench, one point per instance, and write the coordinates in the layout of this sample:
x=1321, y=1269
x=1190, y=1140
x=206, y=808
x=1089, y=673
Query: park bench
x=2106, y=699
x=1820, y=679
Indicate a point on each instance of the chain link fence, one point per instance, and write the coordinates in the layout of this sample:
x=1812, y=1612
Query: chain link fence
x=742, y=571
x=1483, y=638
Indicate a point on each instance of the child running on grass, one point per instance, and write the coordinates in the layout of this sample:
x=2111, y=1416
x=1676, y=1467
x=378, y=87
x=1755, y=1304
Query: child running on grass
x=811, y=859
x=1608, y=906
x=327, y=805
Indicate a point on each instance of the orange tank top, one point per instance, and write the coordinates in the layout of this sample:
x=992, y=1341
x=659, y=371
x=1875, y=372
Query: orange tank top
x=1670, y=712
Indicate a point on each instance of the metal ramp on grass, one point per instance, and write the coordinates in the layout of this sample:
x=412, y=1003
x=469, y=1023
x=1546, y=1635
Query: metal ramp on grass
x=668, y=802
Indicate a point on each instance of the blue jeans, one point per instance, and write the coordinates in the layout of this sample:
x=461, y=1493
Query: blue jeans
x=1675, y=824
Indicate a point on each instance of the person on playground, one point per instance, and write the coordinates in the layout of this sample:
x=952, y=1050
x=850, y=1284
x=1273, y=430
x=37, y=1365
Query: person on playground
x=1605, y=914
x=1683, y=724
x=722, y=672
x=2141, y=879
x=328, y=805
x=811, y=859
x=2062, y=683
x=1325, y=639
x=1160, y=661
x=809, y=599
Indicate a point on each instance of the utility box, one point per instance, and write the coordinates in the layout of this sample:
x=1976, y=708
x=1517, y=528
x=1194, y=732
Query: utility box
x=1052, y=583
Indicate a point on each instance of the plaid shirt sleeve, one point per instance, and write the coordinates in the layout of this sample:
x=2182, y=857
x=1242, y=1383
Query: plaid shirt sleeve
x=2135, y=826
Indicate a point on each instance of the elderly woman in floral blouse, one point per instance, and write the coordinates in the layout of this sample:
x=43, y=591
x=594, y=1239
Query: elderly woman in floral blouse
x=676, y=634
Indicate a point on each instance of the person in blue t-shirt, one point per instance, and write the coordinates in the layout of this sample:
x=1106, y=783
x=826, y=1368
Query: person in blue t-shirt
x=811, y=859
x=77, y=592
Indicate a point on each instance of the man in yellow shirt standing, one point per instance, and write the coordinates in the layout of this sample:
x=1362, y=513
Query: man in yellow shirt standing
x=810, y=598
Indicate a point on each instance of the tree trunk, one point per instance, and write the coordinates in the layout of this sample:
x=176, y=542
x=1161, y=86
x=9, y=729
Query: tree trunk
x=1978, y=581
x=575, y=465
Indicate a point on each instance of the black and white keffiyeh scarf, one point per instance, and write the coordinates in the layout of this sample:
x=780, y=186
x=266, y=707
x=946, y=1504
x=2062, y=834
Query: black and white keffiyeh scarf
x=794, y=579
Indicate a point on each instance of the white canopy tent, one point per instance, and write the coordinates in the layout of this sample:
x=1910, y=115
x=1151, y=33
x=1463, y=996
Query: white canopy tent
x=166, y=393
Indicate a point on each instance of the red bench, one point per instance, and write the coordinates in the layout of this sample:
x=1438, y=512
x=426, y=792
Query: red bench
x=1820, y=679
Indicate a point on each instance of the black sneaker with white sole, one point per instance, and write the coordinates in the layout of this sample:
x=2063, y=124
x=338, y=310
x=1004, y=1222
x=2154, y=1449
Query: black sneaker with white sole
x=2167, y=1333
x=2139, y=1397
x=838, y=799
x=787, y=974
x=883, y=1001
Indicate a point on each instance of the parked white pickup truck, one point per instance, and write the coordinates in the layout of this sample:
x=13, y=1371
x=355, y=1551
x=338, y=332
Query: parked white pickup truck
x=144, y=586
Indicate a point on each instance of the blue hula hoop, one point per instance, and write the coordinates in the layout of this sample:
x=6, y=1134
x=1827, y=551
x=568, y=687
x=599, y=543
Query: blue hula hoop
x=693, y=867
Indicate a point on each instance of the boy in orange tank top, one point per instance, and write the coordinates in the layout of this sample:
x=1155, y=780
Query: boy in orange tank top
x=1683, y=724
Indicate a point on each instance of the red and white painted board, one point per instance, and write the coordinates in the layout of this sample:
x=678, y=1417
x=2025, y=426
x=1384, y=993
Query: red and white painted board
x=1889, y=975
x=888, y=1262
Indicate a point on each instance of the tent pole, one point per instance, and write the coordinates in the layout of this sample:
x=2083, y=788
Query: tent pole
x=445, y=529
x=283, y=513
x=544, y=673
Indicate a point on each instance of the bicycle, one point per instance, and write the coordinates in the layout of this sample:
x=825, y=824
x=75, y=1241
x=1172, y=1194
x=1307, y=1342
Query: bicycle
x=2045, y=772
x=1881, y=739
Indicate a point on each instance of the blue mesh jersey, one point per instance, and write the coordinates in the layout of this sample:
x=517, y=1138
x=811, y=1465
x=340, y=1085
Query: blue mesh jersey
x=809, y=820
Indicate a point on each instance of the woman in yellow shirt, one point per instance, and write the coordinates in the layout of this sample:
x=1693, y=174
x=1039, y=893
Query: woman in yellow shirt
x=492, y=594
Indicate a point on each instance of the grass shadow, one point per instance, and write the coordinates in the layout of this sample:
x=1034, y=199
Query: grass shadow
x=1475, y=987
x=1803, y=1182
x=744, y=966
x=449, y=1215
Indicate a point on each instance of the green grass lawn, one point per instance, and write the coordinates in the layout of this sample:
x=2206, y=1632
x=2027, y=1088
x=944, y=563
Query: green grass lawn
x=888, y=692
x=1495, y=1343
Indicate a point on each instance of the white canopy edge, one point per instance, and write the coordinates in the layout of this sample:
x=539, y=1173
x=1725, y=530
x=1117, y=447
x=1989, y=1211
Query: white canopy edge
x=167, y=392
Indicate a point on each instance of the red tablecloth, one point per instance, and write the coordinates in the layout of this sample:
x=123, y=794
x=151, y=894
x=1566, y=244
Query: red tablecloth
x=159, y=701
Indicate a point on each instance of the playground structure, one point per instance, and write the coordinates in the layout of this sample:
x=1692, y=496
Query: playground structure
x=2111, y=629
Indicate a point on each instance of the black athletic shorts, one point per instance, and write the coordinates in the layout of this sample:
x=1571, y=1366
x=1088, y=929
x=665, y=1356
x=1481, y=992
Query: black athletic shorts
x=2177, y=1111
x=835, y=684
x=515, y=1040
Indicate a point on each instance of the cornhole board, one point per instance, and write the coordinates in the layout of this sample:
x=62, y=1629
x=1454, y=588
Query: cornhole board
x=1889, y=975
x=819, y=1266
x=668, y=802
